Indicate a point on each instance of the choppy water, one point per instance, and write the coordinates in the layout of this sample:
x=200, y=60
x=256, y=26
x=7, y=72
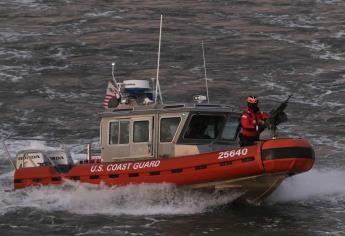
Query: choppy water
x=55, y=59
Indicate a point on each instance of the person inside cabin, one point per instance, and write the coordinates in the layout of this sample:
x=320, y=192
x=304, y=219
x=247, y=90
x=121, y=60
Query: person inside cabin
x=252, y=122
x=197, y=129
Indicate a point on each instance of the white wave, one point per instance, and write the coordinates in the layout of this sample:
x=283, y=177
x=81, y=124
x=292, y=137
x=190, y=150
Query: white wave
x=34, y=5
x=5, y=131
x=144, y=199
x=16, y=36
x=61, y=54
x=330, y=1
x=282, y=37
x=316, y=72
x=53, y=93
x=340, y=34
x=229, y=32
x=313, y=185
x=277, y=86
x=11, y=54
x=196, y=70
x=300, y=95
x=301, y=21
x=43, y=68
x=13, y=78
x=328, y=140
x=114, y=14
x=7, y=175
x=340, y=81
x=317, y=101
x=340, y=56
x=341, y=111
x=13, y=73
x=320, y=50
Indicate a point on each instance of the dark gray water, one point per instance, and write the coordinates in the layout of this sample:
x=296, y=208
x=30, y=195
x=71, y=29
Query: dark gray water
x=55, y=60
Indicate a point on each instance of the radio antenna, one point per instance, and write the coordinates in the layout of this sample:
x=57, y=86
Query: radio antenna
x=205, y=73
x=158, y=87
x=113, y=73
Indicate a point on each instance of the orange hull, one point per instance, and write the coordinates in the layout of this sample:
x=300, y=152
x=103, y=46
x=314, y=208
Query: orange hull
x=280, y=156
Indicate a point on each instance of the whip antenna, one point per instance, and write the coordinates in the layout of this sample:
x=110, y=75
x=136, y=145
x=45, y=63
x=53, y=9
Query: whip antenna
x=158, y=88
x=205, y=74
x=113, y=73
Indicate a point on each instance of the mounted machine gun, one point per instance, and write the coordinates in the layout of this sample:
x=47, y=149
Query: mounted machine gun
x=277, y=116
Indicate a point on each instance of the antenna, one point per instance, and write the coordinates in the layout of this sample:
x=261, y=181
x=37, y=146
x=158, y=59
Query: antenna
x=158, y=88
x=113, y=73
x=205, y=74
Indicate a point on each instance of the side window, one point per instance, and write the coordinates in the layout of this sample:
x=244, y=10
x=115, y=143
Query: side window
x=141, y=131
x=119, y=132
x=230, y=128
x=168, y=128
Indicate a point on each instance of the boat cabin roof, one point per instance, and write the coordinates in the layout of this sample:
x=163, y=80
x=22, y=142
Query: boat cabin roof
x=125, y=110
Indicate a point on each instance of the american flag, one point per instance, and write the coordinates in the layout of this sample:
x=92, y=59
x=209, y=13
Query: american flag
x=112, y=96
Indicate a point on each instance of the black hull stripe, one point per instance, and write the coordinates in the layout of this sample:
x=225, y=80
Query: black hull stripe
x=289, y=152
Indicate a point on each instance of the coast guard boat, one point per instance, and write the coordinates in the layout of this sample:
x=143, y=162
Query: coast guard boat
x=190, y=145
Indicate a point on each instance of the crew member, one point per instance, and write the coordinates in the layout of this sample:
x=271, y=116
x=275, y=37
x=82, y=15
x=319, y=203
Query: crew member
x=252, y=122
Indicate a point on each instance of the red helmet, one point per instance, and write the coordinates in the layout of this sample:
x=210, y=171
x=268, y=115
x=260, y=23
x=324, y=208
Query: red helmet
x=252, y=100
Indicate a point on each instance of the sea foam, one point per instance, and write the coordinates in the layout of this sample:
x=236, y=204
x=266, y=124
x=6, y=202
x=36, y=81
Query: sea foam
x=85, y=199
x=324, y=185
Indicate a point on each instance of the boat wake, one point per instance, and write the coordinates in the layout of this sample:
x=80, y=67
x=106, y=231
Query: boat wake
x=84, y=199
x=315, y=185
x=160, y=199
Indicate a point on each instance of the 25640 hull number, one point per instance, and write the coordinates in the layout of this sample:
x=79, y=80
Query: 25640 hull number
x=232, y=153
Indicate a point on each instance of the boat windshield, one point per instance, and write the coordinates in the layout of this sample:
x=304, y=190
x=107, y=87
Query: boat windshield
x=230, y=128
x=204, y=127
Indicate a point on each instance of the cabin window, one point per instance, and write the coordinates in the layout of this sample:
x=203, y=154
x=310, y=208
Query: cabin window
x=230, y=128
x=119, y=132
x=113, y=132
x=124, y=132
x=204, y=127
x=141, y=131
x=168, y=128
